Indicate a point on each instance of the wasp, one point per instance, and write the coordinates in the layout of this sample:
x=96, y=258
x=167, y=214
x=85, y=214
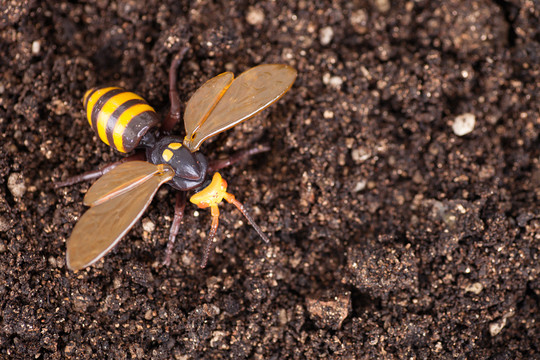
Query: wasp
x=125, y=122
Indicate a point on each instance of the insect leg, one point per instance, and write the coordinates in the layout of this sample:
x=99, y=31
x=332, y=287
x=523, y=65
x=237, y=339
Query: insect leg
x=213, y=230
x=178, y=216
x=175, y=113
x=90, y=175
x=216, y=165
x=232, y=200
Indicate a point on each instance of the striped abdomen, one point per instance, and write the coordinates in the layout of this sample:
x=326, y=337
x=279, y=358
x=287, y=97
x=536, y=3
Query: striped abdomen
x=119, y=117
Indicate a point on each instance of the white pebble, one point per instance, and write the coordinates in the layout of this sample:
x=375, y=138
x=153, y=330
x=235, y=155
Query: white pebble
x=255, y=16
x=382, y=5
x=475, y=288
x=496, y=327
x=360, y=185
x=328, y=114
x=325, y=35
x=463, y=124
x=336, y=82
x=148, y=225
x=16, y=185
x=36, y=47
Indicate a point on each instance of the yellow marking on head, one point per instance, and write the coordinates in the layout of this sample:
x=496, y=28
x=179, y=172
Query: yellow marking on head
x=93, y=100
x=124, y=119
x=211, y=195
x=167, y=155
x=175, y=146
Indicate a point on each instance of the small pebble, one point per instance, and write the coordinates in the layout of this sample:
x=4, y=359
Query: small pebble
x=336, y=82
x=382, y=5
x=359, y=21
x=360, y=185
x=148, y=225
x=360, y=155
x=328, y=114
x=255, y=16
x=330, y=309
x=16, y=185
x=326, y=35
x=36, y=47
x=496, y=327
x=463, y=124
x=475, y=288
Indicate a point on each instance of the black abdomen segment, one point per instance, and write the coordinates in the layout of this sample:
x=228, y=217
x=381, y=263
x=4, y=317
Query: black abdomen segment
x=119, y=117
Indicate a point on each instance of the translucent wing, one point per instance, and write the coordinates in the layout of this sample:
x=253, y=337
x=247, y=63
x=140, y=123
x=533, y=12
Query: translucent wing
x=204, y=100
x=251, y=92
x=103, y=225
x=119, y=180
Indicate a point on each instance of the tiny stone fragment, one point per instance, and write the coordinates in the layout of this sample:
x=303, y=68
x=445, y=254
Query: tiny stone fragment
x=496, y=327
x=382, y=5
x=475, y=288
x=328, y=310
x=16, y=185
x=36, y=47
x=148, y=225
x=255, y=16
x=325, y=35
x=463, y=124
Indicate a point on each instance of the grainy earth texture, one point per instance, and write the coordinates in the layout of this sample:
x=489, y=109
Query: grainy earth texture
x=397, y=229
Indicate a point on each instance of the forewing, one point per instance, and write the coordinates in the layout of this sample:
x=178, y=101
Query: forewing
x=122, y=178
x=251, y=92
x=103, y=225
x=204, y=100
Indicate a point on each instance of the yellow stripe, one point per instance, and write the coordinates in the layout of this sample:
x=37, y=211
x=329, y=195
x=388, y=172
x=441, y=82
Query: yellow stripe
x=93, y=99
x=108, y=108
x=124, y=119
x=86, y=95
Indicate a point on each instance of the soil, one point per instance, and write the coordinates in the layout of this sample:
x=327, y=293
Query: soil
x=396, y=231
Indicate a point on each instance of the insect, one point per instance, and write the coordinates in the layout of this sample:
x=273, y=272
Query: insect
x=124, y=121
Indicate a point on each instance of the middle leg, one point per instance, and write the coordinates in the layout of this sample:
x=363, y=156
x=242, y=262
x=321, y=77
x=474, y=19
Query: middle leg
x=216, y=165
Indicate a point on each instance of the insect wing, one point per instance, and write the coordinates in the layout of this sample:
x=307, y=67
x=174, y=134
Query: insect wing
x=103, y=225
x=122, y=178
x=252, y=91
x=204, y=100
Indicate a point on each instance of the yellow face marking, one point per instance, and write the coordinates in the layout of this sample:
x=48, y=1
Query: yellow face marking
x=93, y=99
x=167, y=155
x=175, y=146
x=124, y=119
x=211, y=195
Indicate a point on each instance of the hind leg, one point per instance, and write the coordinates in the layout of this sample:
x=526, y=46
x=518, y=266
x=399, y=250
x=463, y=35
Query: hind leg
x=90, y=175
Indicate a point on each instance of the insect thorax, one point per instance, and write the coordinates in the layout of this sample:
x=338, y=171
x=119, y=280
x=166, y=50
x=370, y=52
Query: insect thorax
x=190, y=168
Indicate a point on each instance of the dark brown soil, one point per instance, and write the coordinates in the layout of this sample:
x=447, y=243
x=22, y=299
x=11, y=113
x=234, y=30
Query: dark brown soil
x=391, y=236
